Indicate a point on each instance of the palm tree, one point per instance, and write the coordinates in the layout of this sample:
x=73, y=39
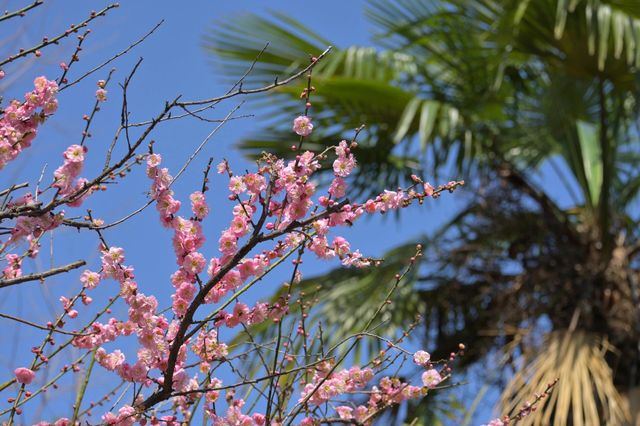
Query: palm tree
x=535, y=103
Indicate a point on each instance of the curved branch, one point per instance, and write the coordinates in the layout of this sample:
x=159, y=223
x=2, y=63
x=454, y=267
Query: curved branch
x=42, y=275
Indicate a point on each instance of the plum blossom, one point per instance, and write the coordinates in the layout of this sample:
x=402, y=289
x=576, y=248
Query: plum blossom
x=24, y=375
x=421, y=358
x=101, y=95
x=302, y=125
x=431, y=378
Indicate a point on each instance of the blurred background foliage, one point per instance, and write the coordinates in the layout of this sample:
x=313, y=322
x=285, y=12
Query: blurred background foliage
x=537, y=285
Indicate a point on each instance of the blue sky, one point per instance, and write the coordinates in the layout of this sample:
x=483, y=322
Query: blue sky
x=174, y=63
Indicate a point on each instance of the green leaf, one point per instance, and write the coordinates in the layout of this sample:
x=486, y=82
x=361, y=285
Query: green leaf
x=604, y=23
x=427, y=120
x=591, y=158
x=561, y=18
x=406, y=119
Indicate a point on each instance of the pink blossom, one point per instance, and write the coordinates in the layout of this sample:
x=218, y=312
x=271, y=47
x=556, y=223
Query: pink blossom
x=154, y=160
x=341, y=246
x=214, y=266
x=228, y=243
x=24, y=375
x=421, y=358
x=302, y=125
x=428, y=189
x=90, y=279
x=345, y=413
x=75, y=154
x=13, y=268
x=431, y=378
x=255, y=183
x=194, y=263
x=239, y=225
x=19, y=124
x=208, y=348
x=101, y=95
x=199, y=205
x=237, y=185
x=343, y=166
x=338, y=187
x=110, y=361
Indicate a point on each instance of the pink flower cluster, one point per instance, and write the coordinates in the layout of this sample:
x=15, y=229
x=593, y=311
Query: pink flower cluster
x=19, y=124
x=13, y=268
x=234, y=417
x=390, y=391
x=326, y=385
x=430, y=378
x=126, y=417
x=242, y=314
x=344, y=164
x=66, y=176
x=208, y=348
x=187, y=238
x=270, y=205
x=60, y=422
x=152, y=330
x=30, y=228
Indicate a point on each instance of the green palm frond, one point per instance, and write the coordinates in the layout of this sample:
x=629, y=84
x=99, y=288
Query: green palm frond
x=355, y=86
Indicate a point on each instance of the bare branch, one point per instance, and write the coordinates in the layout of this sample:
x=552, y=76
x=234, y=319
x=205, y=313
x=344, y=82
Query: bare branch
x=20, y=12
x=47, y=41
x=113, y=58
x=42, y=275
x=275, y=84
x=38, y=326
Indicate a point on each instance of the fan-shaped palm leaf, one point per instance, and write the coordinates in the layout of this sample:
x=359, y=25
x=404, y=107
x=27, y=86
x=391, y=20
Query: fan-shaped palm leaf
x=585, y=393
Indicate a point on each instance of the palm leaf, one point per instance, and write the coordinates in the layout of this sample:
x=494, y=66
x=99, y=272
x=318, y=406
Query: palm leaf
x=585, y=389
x=355, y=86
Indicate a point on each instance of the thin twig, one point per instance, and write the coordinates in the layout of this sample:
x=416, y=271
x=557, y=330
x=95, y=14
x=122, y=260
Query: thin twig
x=20, y=12
x=47, y=41
x=113, y=58
x=275, y=84
x=83, y=388
x=41, y=327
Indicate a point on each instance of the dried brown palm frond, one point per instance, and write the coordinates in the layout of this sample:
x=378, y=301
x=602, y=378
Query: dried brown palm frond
x=585, y=393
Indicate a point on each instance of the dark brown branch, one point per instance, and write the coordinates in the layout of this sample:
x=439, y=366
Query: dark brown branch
x=46, y=42
x=38, y=210
x=336, y=420
x=42, y=275
x=164, y=392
